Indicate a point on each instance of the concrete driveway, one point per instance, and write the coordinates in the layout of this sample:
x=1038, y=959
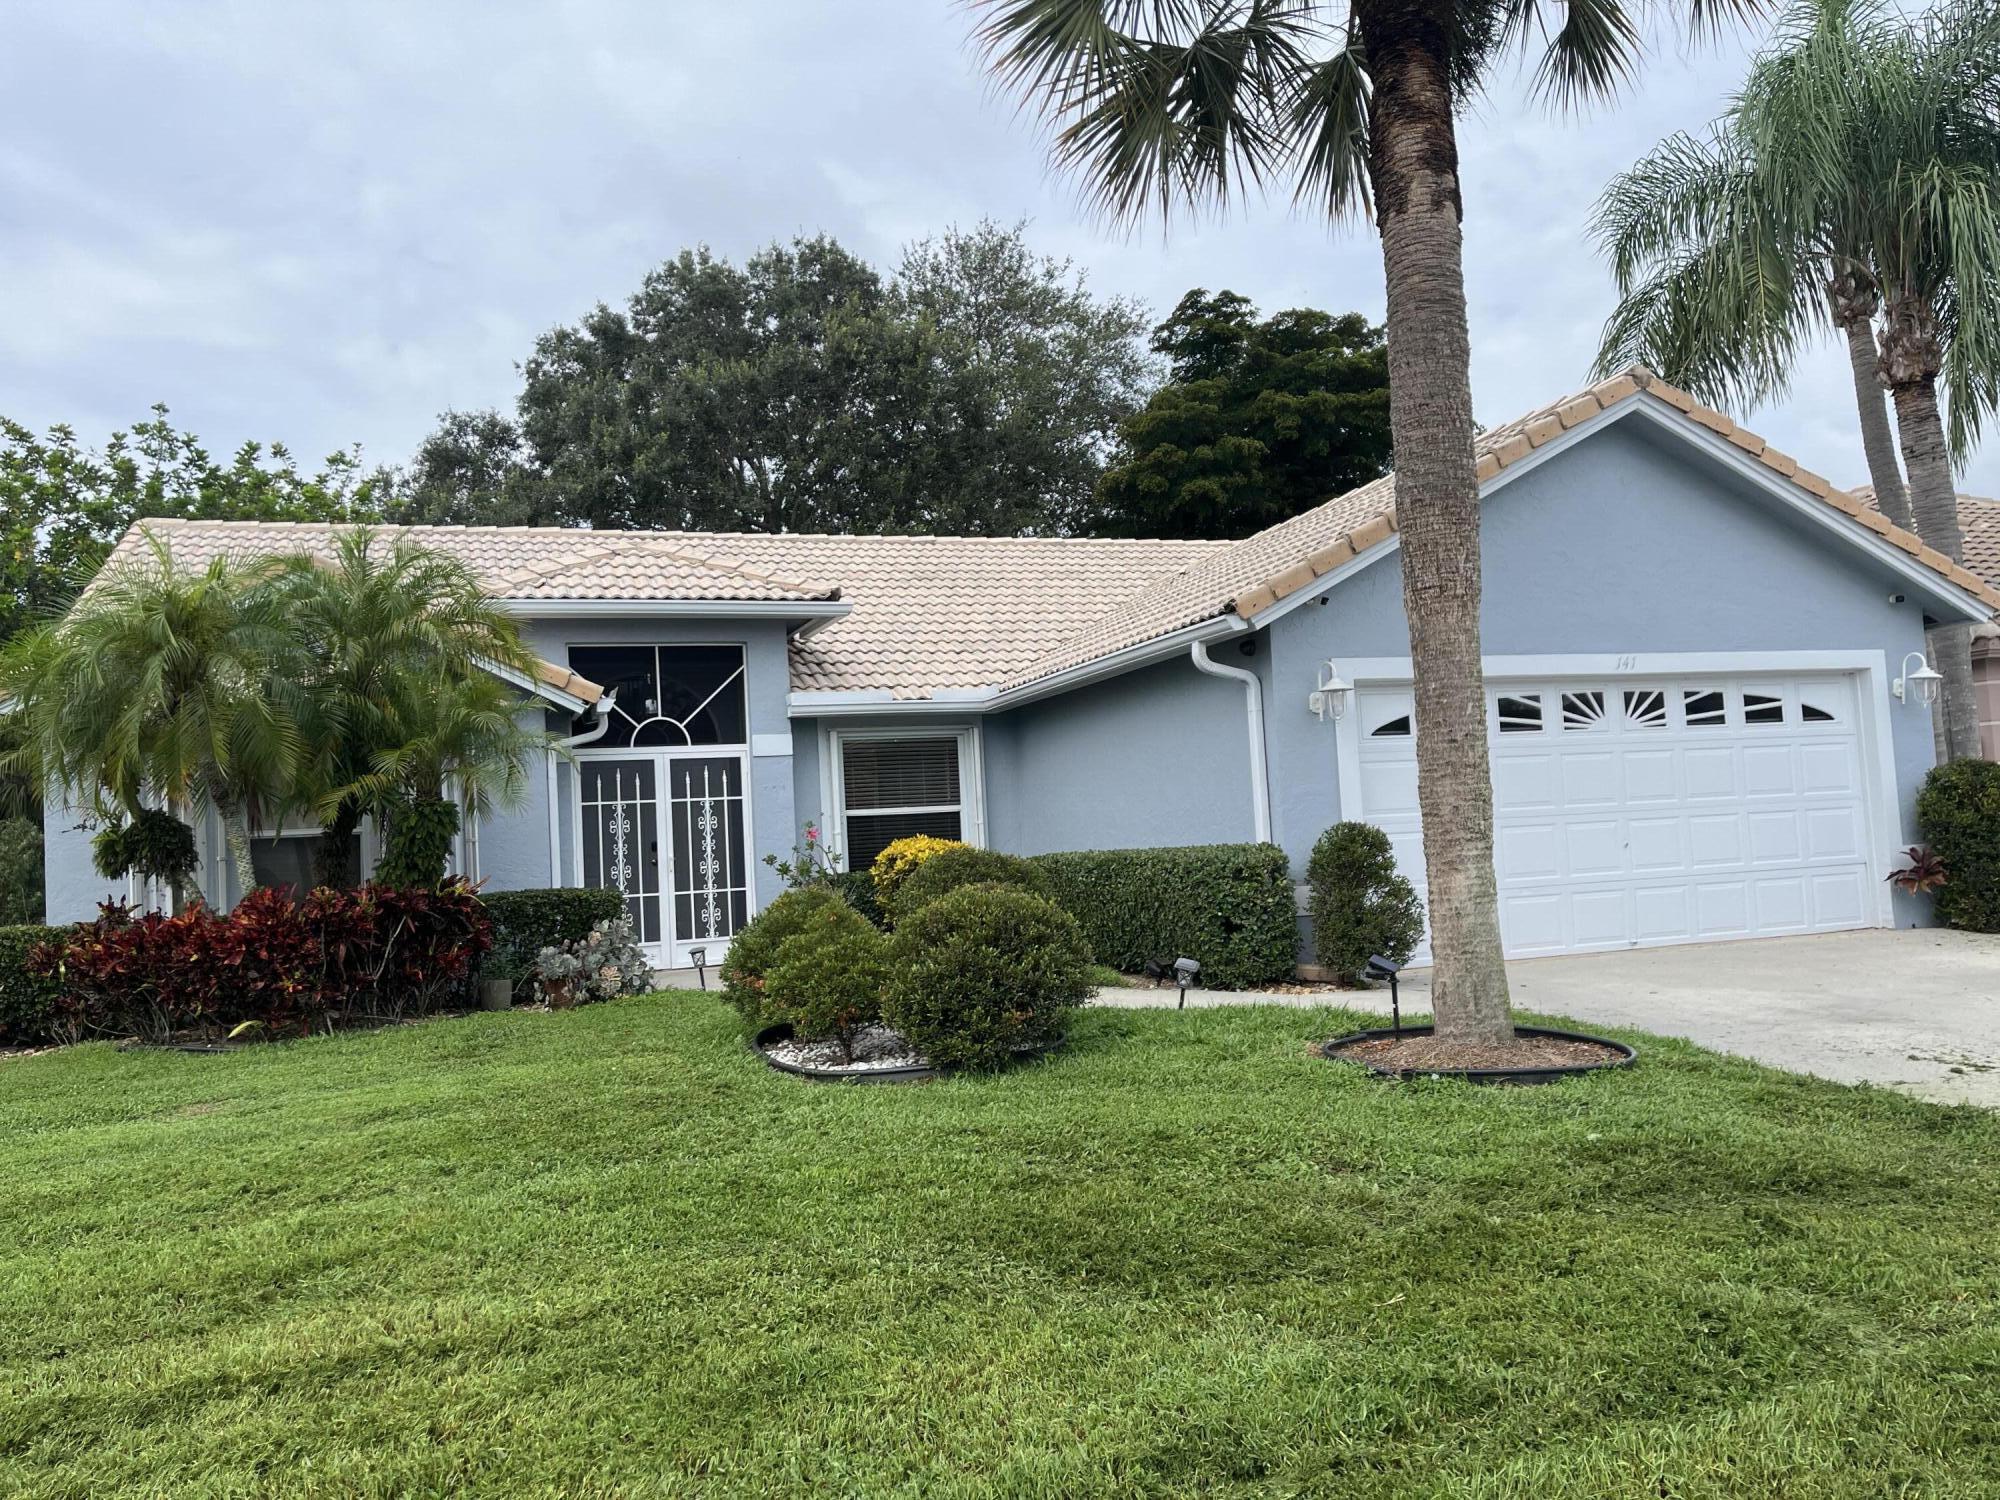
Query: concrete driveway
x=1916, y=1010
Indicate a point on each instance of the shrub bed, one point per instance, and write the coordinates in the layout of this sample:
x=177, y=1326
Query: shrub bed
x=286, y=966
x=30, y=1000
x=1958, y=813
x=1228, y=905
x=1360, y=905
x=950, y=869
x=983, y=973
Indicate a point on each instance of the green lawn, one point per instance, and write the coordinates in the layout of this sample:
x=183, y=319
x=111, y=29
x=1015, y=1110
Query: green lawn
x=608, y=1253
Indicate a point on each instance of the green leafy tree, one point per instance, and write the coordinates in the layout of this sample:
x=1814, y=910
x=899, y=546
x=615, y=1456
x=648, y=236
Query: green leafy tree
x=1166, y=104
x=64, y=504
x=977, y=389
x=471, y=471
x=1854, y=182
x=1260, y=421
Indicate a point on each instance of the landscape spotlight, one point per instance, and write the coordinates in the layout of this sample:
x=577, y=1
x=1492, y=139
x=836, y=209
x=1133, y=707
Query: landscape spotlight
x=1381, y=968
x=1184, y=971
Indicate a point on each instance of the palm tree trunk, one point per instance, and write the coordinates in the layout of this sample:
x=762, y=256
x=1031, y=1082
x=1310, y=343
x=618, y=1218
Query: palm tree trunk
x=1878, y=440
x=236, y=833
x=1934, y=503
x=1413, y=159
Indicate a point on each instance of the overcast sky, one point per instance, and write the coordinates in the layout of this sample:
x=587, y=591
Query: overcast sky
x=324, y=223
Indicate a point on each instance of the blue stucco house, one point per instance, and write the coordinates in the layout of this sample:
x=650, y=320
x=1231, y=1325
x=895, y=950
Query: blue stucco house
x=1695, y=653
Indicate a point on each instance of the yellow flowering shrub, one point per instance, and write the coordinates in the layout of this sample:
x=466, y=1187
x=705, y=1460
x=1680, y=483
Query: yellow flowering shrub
x=894, y=864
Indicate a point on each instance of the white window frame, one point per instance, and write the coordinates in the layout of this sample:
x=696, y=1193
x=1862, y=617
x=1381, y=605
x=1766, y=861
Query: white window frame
x=971, y=777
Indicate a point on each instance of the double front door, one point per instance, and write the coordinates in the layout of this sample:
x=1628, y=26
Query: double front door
x=670, y=830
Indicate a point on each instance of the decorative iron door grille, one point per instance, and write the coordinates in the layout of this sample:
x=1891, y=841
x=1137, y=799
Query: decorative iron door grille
x=710, y=870
x=621, y=837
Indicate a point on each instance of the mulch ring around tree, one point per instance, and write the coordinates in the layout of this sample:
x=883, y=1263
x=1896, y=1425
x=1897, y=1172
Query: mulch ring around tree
x=1536, y=1055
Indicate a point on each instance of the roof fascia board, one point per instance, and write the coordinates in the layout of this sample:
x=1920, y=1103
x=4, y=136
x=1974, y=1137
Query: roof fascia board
x=1937, y=588
x=1141, y=654
x=548, y=692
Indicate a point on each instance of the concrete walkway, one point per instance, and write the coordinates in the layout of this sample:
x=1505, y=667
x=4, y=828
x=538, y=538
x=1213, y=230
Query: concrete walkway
x=1915, y=1010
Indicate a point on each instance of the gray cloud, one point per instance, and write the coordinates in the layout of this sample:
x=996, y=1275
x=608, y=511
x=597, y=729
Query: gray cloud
x=324, y=224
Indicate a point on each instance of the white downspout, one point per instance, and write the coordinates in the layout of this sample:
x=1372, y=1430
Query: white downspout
x=1253, y=700
x=604, y=706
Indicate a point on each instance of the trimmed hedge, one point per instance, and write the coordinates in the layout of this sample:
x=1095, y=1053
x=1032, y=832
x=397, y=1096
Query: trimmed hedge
x=1229, y=905
x=951, y=869
x=526, y=922
x=1360, y=906
x=29, y=1003
x=1958, y=813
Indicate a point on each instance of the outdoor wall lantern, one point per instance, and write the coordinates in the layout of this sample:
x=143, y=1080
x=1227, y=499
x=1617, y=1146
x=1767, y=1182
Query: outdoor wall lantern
x=1184, y=971
x=1329, y=699
x=699, y=958
x=1925, y=680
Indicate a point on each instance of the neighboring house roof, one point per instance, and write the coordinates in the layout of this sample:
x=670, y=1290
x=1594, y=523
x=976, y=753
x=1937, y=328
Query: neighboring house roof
x=932, y=617
x=1978, y=529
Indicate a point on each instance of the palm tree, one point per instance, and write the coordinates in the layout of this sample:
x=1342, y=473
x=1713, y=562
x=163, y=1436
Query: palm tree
x=1164, y=104
x=159, y=683
x=396, y=647
x=1854, y=180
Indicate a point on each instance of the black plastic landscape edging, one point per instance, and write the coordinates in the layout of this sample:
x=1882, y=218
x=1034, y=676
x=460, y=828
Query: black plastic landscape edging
x=1330, y=1051
x=770, y=1036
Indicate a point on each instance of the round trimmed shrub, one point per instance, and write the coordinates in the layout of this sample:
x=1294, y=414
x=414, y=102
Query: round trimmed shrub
x=951, y=869
x=898, y=859
x=1958, y=813
x=984, y=973
x=828, y=984
x=1360, y=906
x=753, y=952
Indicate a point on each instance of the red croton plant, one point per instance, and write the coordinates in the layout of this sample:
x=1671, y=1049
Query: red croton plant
x=289, y=966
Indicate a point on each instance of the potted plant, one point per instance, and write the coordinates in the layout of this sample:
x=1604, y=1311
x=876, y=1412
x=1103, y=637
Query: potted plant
x=557, y=972
x=497, y=978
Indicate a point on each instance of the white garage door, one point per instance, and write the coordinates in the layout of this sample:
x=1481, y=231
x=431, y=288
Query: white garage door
x=1633, y=813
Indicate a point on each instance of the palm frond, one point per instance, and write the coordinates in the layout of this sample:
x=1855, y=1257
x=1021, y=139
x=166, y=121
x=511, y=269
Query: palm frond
x=1158, y=105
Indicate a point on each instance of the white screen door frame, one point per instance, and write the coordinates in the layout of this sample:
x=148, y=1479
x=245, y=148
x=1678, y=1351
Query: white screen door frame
x=671, y=829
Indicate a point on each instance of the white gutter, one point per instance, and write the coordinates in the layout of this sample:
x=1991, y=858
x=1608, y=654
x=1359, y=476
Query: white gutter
x=604, y=706
x=1253, y=701
x=705, y=609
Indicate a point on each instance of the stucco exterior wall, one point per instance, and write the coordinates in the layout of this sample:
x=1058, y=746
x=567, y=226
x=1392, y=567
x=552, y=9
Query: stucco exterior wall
x=1157, y=756
x=72, y=888
x=1620, y=544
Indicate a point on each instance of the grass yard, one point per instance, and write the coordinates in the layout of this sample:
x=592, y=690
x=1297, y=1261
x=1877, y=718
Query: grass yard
x=608, y=1253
